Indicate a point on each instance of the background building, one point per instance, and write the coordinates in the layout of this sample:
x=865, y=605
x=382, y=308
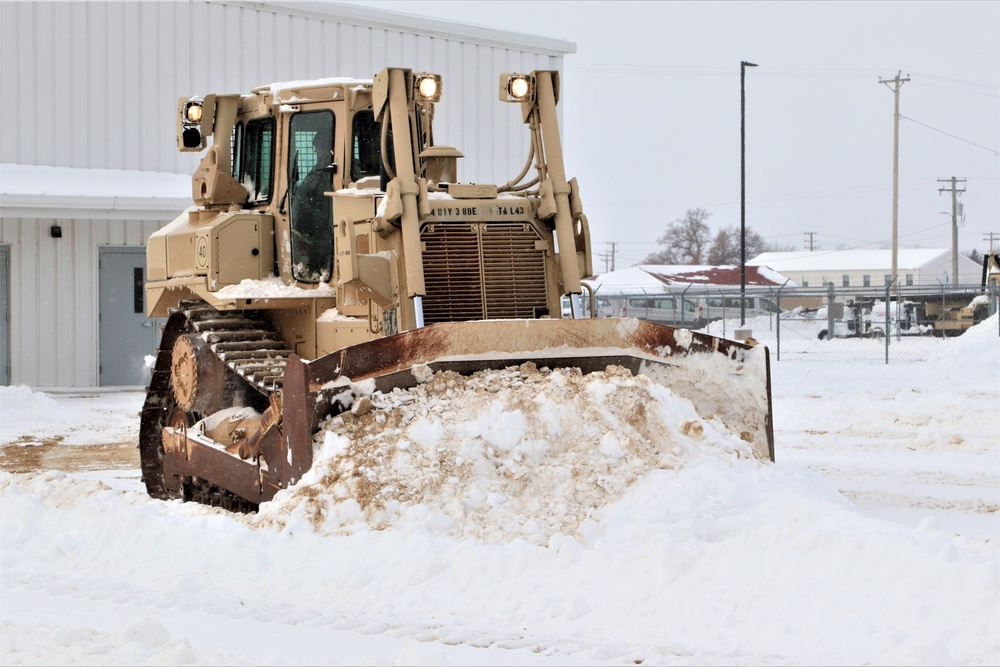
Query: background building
x=870, y=268
x=88, y=150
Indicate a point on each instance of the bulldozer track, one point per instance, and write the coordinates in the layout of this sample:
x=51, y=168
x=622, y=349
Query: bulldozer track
x=247, y=345
x=251, y=351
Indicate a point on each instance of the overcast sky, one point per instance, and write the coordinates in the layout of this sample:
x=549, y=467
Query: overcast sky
x=651, y=111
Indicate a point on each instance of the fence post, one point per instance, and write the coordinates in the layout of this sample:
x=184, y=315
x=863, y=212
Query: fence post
x=777, y=316
x=725, y=316
x=682, y=303
x=888, y=332
x=829, y=311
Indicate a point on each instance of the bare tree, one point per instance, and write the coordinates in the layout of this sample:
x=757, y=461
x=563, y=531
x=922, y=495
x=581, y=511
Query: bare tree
x=725, y=248
x=975, y=256
x=686, y=240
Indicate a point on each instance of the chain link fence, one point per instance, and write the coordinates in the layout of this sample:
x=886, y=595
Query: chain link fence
x=887, y=324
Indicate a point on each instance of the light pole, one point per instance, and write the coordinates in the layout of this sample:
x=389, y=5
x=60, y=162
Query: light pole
x=743, y=190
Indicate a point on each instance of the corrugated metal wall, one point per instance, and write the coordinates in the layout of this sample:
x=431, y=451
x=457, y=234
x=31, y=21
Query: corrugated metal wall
x=95, y=85
x=54, y=300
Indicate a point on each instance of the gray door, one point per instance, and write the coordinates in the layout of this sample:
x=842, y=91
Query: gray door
x=127, y=336
x=4, y=315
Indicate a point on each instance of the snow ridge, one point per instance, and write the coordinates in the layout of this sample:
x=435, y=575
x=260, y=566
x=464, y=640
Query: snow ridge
x=515, y=454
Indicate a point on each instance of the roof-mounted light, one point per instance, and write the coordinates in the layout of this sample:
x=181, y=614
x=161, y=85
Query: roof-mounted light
x=193, y=111
x=427, y=87
x=191, y=134
x=517, y=87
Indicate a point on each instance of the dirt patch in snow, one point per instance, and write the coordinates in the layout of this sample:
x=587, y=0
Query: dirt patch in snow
x=34, y=455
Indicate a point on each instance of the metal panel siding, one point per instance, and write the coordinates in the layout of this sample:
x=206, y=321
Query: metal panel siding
x=98, y=82
x=10, y=65
x=53, y=298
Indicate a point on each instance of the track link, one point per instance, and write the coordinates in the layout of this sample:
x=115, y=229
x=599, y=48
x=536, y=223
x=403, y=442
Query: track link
x=249, y=346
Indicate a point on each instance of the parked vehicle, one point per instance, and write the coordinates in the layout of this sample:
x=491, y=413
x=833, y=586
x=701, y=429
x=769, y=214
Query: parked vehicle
x=667, y=309
x=728, y=307
x=867, y=318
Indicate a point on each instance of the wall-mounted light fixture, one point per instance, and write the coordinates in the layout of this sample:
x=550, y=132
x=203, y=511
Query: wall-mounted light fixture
x=55, y=231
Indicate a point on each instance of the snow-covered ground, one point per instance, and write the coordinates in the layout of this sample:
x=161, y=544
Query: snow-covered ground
x=535, y=518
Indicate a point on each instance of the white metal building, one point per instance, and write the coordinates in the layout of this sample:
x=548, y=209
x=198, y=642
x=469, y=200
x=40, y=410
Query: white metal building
x=88, y=151
x=870, y=268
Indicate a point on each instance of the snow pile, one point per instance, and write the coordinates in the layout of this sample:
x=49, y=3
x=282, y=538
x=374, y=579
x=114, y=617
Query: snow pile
x=519, y=453
x=32, y=417
x=972, y=354
x=20, y=404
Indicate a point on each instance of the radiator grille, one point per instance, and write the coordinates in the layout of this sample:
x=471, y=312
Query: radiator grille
x=482, y=271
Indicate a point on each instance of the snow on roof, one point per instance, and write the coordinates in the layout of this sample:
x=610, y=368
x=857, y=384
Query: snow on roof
x=277, y=87
x=846, y=260
x=41, y=180
x=661, y=277
x=40, y=191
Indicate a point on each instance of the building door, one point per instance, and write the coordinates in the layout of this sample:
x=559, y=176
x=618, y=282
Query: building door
x=4, y=315
x=127, y=336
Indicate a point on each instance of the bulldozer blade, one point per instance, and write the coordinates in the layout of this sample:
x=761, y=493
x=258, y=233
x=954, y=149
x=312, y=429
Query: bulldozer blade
x=723, y=379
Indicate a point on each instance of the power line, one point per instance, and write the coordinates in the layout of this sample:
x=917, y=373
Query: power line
x=992, y=150
x=791, y=72
x=963, y=82
x=704, y=70
x=774, y=198
x=957, y=90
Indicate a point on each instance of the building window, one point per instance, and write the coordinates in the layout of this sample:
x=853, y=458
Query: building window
x=847, y=281
x=888, y=279
x=805, y=281
x=909, y=278
x=866, y=280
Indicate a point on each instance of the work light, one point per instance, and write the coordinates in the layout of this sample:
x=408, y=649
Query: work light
x=428, y=87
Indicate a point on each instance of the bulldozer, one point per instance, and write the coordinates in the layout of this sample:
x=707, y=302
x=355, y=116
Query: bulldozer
x=331, y=245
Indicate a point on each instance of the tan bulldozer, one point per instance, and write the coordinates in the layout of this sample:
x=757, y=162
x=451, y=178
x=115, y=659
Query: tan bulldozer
x=331, y=242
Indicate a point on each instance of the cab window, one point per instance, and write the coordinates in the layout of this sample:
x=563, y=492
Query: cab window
x=257, y=168
x=236, y=149
x=366, y=151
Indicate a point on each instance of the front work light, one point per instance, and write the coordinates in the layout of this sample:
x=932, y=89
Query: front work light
x=428, y=87
x=193, y=112
x=517, y=88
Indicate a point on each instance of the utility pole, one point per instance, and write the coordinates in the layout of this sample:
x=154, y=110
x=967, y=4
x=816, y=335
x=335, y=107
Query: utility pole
x=989, y=237
x=811, y=236
x=613, y=244
x=897, y=83
x=743, y=190
x=954, y=222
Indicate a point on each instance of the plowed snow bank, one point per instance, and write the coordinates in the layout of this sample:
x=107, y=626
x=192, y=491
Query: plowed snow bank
x=519, y=453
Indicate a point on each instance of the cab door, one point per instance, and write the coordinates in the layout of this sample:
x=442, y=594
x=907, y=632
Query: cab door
x=311, y=170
